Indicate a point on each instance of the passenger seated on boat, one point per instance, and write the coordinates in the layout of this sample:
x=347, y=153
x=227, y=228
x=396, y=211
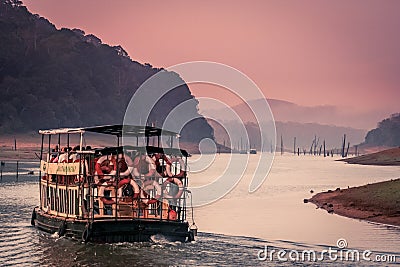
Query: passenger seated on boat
x=74, y=154
x=54, y=154
x=63, y=156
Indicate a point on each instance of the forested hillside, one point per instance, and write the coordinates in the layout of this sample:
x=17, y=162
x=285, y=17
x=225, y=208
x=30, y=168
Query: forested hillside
x=65, y=78
x=386, y=134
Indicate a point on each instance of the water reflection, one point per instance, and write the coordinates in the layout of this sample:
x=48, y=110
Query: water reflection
x=277, y=212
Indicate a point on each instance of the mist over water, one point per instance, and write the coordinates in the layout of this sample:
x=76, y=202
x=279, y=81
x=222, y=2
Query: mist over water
x=232, y=230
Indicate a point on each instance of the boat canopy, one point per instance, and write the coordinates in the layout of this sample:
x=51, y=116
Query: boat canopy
x=117, y=130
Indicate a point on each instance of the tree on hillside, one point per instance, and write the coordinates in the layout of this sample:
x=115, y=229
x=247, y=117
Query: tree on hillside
x=387, y=133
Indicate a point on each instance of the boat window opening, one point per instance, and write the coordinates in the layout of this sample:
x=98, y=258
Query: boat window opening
x=61, y=201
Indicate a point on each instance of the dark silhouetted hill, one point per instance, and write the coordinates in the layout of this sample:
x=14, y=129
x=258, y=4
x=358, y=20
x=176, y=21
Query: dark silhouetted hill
x=386, y=134
x=65, y=78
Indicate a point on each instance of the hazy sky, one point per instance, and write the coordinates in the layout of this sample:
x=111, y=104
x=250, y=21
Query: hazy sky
x=309, y=52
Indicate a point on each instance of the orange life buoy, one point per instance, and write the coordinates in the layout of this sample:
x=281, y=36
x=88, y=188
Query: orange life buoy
x=147, y=186
x=175, y=181
x=101, y=196
x=123, y=182
x=136, y=189
x=143, y=166
x=178, y=167
x=129, y=163
x=99, y=173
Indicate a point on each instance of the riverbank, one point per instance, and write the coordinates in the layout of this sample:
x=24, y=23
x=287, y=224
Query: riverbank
x=389, y=157
x=378, y=202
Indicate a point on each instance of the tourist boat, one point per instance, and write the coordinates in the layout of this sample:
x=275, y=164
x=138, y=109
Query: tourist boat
x=113, y=194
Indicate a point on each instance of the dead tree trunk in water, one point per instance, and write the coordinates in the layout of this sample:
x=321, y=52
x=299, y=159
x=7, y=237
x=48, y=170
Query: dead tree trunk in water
x=311, y=148
x=315, y=144
x=294, y=146
x=343, y=145
x=281, y=145
x=324, y=150
x=348, y=146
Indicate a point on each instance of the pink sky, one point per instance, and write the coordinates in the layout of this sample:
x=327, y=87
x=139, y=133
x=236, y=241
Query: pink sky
x=309, y=52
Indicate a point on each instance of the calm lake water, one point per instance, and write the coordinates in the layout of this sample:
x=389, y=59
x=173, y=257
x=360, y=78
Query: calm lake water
x=232, y=230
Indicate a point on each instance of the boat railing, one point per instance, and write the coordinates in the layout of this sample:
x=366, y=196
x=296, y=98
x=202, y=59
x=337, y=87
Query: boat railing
x=106, y=201
x=60, y=200
x=79, y=196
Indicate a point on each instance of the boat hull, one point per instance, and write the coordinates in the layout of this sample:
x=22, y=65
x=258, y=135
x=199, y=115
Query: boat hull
x=111, y=230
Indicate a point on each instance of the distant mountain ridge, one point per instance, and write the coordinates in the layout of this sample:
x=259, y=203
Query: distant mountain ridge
x=304, y=133
x=286, y=111
x=53, y=78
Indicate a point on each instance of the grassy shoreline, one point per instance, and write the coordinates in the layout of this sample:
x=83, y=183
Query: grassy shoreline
x=389, y=157
x=378, y=202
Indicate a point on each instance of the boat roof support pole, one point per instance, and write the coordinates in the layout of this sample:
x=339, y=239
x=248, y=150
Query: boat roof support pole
x=49, y=144
x=47, y=176
x=117, y=178
x=68, y=147
x=81, y=142
x=66, y=180
x=59, y=142
x=82, y=160
x=40, y=173
x=41, y=148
